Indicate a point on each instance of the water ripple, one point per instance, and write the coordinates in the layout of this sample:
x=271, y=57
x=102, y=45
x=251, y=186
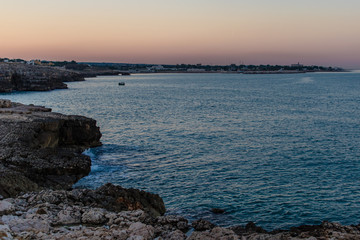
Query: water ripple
x=280, y=150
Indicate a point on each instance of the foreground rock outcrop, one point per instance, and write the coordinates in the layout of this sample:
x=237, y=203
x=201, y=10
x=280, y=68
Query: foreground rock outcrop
x=22, y=77
x=112, y=212
x=41, y=149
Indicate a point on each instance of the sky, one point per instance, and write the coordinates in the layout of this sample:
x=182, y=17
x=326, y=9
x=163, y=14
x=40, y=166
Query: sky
x=316, y=32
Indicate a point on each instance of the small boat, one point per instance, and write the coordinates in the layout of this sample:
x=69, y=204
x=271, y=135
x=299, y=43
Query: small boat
x=121, y=84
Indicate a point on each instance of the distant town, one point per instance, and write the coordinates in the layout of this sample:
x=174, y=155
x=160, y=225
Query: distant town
x=130, y=68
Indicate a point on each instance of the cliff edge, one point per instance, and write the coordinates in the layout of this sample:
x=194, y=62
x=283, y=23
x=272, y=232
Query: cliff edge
x=22, y=77
x=41, y=149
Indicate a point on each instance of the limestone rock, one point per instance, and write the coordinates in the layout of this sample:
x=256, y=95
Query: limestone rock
x=94, y=216
x=116, y=198
x=22, y=77
x=5, y=103
x=172, y=223
x=67, y=216
x=5, y=233
x=19, y=225
x=174, y=235
x=72, y=215
x=40, y=149
x=139, y=230
x=6, y=207
x=202, y=225
x=216, y=233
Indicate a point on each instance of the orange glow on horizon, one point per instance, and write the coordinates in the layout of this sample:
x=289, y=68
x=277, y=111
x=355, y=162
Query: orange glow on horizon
x=181, y=32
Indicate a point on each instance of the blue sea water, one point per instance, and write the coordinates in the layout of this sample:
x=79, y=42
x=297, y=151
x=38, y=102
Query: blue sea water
x=279, y=150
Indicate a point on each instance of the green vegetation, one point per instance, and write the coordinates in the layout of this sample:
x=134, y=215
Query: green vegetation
x=73, y=65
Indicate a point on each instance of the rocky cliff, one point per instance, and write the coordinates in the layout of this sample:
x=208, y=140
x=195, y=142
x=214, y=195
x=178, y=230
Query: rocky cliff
x=41, y=149
x=22, y=77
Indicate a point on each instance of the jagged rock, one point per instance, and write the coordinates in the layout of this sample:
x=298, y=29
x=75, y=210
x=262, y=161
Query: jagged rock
x=171, y=223
x=139, y=230
x=251, y=227
x=6, y=207
x=70, y=215
x=326, y=230
x=60, y=215
x=106, y=197
x=174, y=235
x=94, y=216
x=41, y=149
x=5, y=103
x=19, y=225
x=22, y=77
x=5, y=233
x=217, y=233
x=67, y=216
x=248, y=229
x=217, y=210
x=202, y=225
x=116, y=198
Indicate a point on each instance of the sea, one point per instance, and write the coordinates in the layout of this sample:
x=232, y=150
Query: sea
x=280, y=150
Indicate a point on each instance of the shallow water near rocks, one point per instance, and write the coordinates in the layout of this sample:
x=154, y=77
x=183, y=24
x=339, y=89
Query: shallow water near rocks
x=279, y=150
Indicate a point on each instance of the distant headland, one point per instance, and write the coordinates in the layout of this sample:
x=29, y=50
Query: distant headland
x=36, y=75
x=200, y=68
x=90, y=69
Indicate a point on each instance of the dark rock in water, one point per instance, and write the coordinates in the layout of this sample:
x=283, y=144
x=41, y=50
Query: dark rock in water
x=326, y=230
x=40, y=149
x=251, y=227
x=217, y=210
x=202, y=225
x=171, y=223
x=116, y=198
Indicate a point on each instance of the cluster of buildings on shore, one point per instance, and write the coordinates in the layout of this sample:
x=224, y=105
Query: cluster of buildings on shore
x=30, y=62
x=191, y=68
x=198, y=68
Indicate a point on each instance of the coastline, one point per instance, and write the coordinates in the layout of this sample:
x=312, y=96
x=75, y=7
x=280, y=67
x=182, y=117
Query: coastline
x=23, y=77
x=109, y=210
x=233, y=72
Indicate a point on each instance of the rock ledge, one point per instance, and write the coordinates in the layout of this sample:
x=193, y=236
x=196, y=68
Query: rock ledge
x=41, y=149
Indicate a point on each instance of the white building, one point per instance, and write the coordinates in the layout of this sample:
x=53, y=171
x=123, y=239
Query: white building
x=158, y=67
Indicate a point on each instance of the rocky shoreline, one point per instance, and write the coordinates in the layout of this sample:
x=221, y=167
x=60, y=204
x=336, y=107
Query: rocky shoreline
x=41, y=158
x=23, y=77
x=41, y=149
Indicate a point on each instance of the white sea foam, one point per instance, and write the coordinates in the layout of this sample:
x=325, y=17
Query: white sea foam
x=89, y=153
x=306, y=80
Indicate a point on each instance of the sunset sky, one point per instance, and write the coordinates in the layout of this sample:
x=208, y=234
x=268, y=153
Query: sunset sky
x=321, y=32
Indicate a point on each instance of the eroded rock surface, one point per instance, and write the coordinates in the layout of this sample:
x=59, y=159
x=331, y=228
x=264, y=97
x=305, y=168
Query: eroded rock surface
x=22, y=77
x=324, y=231
x=85, y=213
x=41, y=149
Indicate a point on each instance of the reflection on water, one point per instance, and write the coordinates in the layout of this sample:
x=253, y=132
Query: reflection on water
x=263, y=147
